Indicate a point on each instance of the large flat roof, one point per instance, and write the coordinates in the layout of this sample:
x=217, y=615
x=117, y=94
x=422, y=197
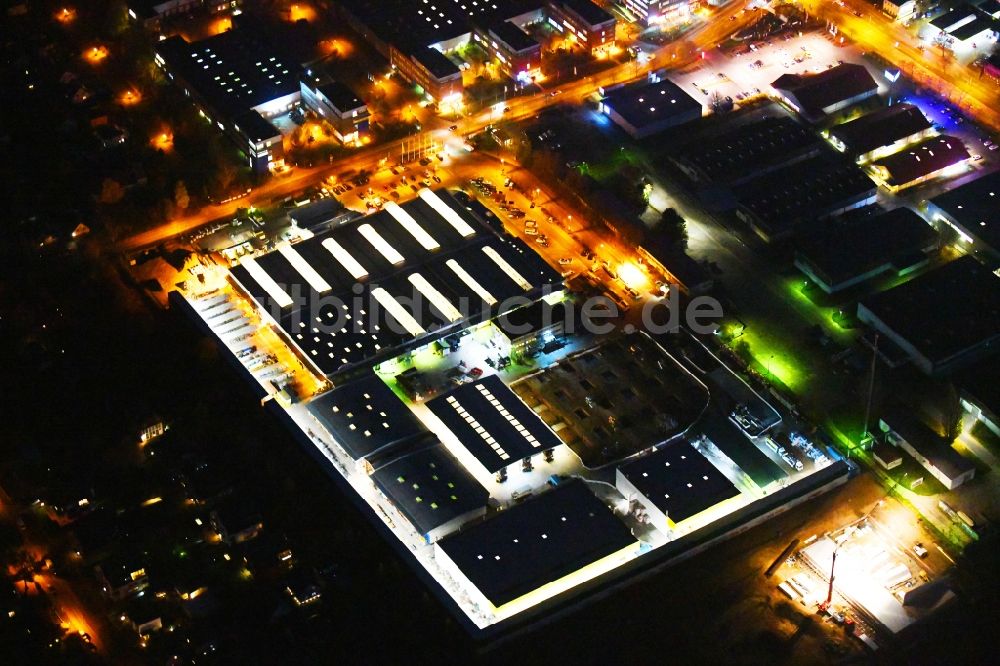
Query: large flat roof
x=537, y=542
x=976, y=207
x=747, y=148
x=363, y=289
x=880, y=128
x=943, y=311
x=925, y=441
x=815, y=92
x=679, y=480
x=233, y=71
x=643, y=103
x=842, y=249
x=366, y=417
x=590, y=12
x=493, y=423
x=430, y=487
x=411, y=24
x=514, y=37
x=784, y=197
x=925, y=158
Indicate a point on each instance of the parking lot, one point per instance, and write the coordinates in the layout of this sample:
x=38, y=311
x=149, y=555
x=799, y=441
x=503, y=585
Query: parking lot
x=746, y=76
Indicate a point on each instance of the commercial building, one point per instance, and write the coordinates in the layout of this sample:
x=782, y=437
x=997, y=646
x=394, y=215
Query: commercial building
x=151, y=13
x=929, y=159
x=899, y=10
x=584, y=22
x=416, y=38
x=991, y=67
x=841, y=253
x=519, y=54
x=367, y=419
x=673, y=484
x=394, y=280
x=493, y=424
x=965, y=25
x=746, y=151
x=880, y=133
x=543, y=546
x=777, y=202
x=431, y=489
x=887, y=455
x=980, y=393
x=656, y=12
x=321, y=214
x=239, y=81
x=972, y=210
x=338, y=105
x=926, y=447
x=530, y=328
x=645, y=108
x=815, y=96
x=944, y=320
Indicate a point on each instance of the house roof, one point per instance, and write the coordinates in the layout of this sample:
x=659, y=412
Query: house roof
x=880, y=128
x=975, y=206
x=926, y=442
x=816, y=92
x=925, y=158
x=540, y=541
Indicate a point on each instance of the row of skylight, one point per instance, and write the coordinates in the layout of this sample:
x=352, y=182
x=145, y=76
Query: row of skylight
x=475, y=425
x=486, y=393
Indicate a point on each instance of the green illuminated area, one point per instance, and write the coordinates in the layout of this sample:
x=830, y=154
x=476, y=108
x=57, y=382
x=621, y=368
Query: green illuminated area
x=838, y=321
x=772, y=362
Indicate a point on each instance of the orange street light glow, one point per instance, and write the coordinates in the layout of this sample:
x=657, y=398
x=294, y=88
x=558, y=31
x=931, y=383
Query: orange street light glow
x=66, y=15
x=130, y=98
x=163, y=141
x=633, y=276
x=95, y=55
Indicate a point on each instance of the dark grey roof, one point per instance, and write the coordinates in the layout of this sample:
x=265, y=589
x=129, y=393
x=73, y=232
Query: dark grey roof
x=973, y=28
x=590, y=12
x=842, y=249
x=411, y=25
x=430, y=487
x=436, y=62
x=493, y=423
x=531, y=318
x=944, y=311
x=537, y=542
x=809, y=189
x=815, y=92
x=514, y=37
x=645, y=103
x=747, y=148
x=925, y=441
x=316, y=213
x=927, y=157
x=342, y=97
x=976, y=206
x=678, y=480
x=366, y=417
x=347, y=325
x=880, y=128
x=232, y=71
x=255, y=126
